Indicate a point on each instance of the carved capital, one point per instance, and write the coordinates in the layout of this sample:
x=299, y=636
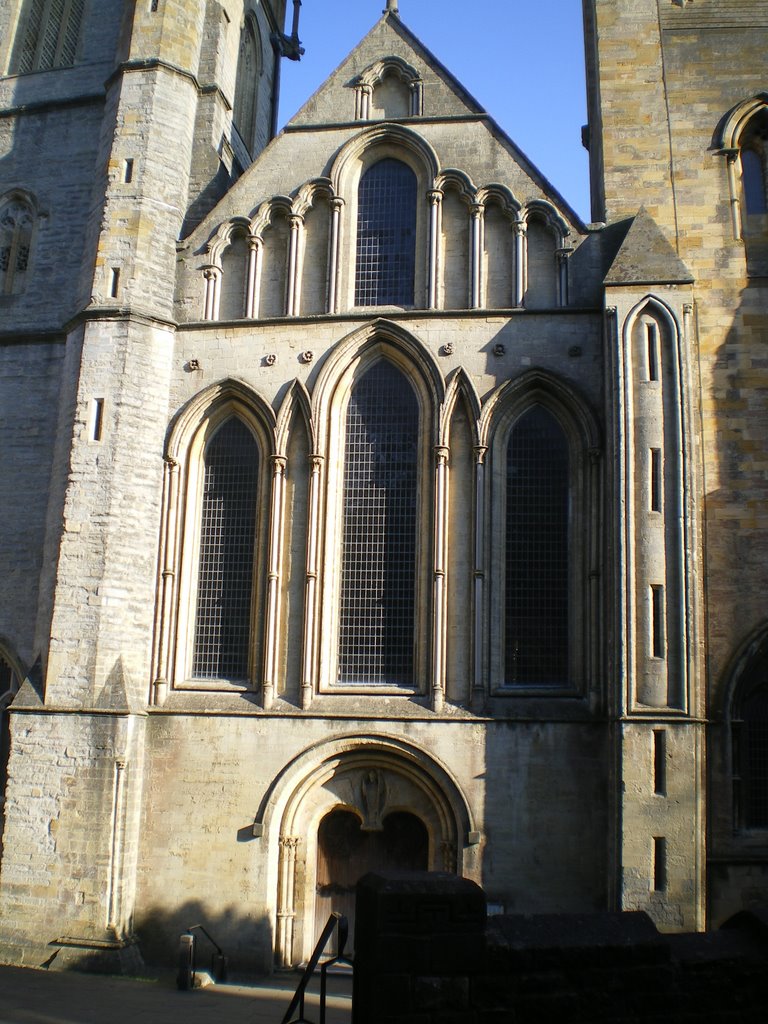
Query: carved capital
x=435, y=196
x=480, y=451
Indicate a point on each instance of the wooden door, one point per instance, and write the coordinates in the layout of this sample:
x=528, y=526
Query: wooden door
x=345, y=853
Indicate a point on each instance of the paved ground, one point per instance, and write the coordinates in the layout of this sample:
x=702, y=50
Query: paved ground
x=29, y=996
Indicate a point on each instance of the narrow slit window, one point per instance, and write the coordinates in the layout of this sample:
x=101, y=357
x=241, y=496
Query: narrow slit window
x=660, y=762
x=652, y=342
x=656, y=480
x=97, y=419
x=657, y=621
x=114, y=282
x=659, y=863
x=128, y=171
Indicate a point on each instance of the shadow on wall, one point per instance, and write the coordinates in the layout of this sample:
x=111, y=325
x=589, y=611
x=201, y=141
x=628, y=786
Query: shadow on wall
x=245, y=939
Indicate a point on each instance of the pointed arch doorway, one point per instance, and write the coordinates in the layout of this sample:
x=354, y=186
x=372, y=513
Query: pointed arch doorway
x=354, y=805
x=347, y=850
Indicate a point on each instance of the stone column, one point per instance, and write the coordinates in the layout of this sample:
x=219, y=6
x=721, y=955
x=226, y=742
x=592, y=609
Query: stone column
x=520, y=263
x=435, y=197
x=168, y=554
x=477, y=211
x=478, y=678
x=273, y=581
x=310, y=587
x=294, y=245
x=337, y=204
x=255, y=246
x=286, y=911
x=439, y=616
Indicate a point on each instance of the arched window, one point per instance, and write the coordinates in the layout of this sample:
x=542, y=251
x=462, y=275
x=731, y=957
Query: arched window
x=247, y=83
x=225, y=564
x=16, y=224
x=536, y=561
x=51, y=30
x=377, y=610
x=386, y=235
x=749, y=721
x=753, y=181
x=9, y=684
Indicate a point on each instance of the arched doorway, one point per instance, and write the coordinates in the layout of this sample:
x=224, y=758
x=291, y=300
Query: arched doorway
x=352, y=805
x=346, y=851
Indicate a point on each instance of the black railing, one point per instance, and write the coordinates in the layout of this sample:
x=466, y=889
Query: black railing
x=335, y=921
x=185, y=979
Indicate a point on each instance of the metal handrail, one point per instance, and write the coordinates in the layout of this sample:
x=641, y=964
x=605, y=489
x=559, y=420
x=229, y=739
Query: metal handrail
x=297, y=1003
x=185, y=978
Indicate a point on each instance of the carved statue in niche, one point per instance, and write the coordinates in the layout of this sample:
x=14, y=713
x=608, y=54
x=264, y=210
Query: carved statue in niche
x=373, y=800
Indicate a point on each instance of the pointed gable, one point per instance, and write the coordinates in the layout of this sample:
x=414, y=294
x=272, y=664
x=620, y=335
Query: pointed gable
x=646, y=256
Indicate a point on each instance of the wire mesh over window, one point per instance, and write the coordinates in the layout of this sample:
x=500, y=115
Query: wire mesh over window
x=386, y=235
x=536, y=553
x=227, y=539
x=378, y=562
x=754, y=735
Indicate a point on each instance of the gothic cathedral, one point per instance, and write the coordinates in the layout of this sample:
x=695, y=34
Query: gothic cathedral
x=361, y=506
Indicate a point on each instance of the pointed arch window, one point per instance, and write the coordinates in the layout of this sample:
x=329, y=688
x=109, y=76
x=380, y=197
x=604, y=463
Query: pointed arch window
x=536, y=565
x=386, y=235
x=247, y=84
x=16, y=225
x=225, y=564
x=50, y=35
x=753, y=181
x=749, y=722
x=377, y=608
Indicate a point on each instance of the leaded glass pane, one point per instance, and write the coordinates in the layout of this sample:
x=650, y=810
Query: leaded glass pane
x=755, y=739
x=51, y=34
x=31, y=36
x=378, y=559
x=386, y=235
x=536, y=559
x=225, y=568
x=753, y=178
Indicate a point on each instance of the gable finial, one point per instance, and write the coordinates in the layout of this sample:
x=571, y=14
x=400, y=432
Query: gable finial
x=392, y=7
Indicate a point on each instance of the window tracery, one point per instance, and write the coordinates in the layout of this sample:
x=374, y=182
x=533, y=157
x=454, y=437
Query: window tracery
x=16, y=227
x=51, y=34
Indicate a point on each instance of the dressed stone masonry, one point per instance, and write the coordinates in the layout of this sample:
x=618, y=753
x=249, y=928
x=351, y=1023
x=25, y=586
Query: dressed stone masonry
x=355, y=490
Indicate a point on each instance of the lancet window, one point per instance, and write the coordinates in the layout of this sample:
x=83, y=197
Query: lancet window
x=51, y=30
x=16, y=225
x=386, y=235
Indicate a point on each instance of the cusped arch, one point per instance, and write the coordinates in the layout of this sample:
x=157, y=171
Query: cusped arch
x=380, y=338
x=307, y=195
x=375, y=72
x=394, y=140
x=222, y=239
x=265, y=213
x=458, y=181
x=545, y=211
x=502, y=196
x=728, y=133
x=538, y=387
x=214, y=404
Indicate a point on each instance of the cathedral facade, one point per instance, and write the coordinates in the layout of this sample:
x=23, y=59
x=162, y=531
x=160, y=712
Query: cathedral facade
x=363, y=507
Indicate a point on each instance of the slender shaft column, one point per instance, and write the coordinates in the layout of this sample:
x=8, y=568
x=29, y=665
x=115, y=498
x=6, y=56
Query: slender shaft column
x=333, y=259
x=476, y=255
x=216, y=293
x=296, y=223
x=478, y=678
x=114, y=896
x=269, y=688
x=563, y=255
x=254, y=273
x=286, y=911
x=594, y=617
x=163, y=621
x=310, y=586
x=519, y=297
x=439, y=621
x=734, y=186
x=435, y=208
x=209, y=275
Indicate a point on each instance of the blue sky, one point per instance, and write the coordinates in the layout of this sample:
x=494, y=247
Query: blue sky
x=522, y=61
